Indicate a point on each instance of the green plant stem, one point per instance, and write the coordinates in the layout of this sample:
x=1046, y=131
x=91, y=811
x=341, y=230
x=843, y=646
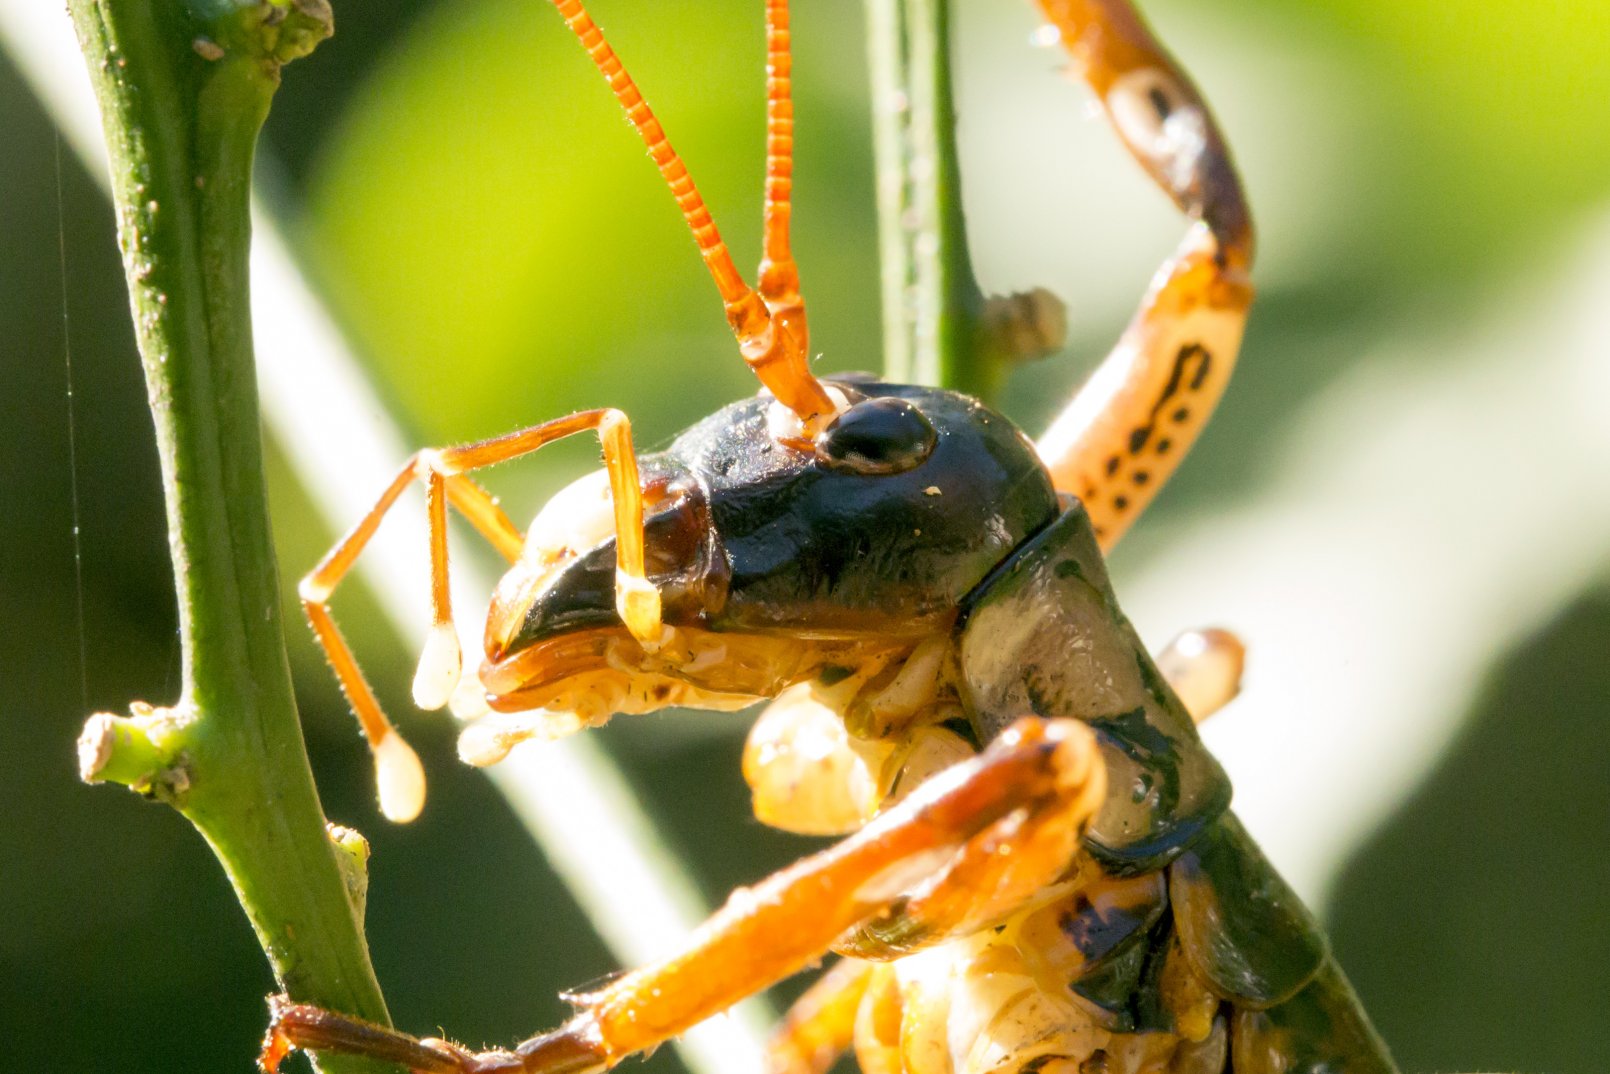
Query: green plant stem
x=932, y=304
x=183, y=90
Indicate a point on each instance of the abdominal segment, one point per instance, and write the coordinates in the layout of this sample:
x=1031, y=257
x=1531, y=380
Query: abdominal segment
x=1002, y=1002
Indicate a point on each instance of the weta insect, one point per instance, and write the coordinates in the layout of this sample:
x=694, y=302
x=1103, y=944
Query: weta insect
x=1042, y=871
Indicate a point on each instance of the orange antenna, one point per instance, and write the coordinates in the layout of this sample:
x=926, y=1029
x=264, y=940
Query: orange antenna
x=777, y=357
x=779, y=275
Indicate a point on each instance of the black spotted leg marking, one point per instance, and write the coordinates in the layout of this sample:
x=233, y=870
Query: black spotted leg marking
x=1132, y=422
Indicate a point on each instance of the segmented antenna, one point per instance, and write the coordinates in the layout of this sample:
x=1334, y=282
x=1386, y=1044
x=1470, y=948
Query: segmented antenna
x=773, y=348
x=779, y=276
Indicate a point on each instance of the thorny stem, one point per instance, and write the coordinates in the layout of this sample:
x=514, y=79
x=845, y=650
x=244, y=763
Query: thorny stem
x=932, y=304
x=183, y=89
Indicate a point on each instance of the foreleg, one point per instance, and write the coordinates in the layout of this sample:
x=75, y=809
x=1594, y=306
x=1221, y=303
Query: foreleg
x=399, y=776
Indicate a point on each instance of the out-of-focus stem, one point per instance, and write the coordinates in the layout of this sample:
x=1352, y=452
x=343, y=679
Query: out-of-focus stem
x=931, y=301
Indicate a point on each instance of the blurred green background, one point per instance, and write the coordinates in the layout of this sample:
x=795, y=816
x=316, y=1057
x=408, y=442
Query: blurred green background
x=473, y=209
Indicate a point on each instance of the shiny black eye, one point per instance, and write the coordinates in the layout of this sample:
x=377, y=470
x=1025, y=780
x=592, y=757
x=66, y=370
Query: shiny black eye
x=877, y=436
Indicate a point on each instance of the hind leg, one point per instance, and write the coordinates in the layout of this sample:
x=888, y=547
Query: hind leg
x=1132, y=422
x=1038, y=780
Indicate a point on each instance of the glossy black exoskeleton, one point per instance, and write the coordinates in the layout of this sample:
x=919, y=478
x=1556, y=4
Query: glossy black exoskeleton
x=800, y=543
x=855, y=548
x=972, y=537
x=967, y=537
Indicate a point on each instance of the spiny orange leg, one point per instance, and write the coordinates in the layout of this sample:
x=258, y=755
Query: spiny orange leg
x=1127, y=429
x=398, y=773
x=1204, y=668
x=821, y=1023
x=776, y=353
x=298, y=1025
x=982, y=884
x=1038, y=773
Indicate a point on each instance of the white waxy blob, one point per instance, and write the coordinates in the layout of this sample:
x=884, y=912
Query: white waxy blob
x=399, y=777
x=807, y=774
x=439, y=668
x=783, y=424
x=489, y=739
x=469, y=699
x=485, y=743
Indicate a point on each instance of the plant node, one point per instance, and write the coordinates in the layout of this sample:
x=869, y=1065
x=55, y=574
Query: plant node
x=142, y=751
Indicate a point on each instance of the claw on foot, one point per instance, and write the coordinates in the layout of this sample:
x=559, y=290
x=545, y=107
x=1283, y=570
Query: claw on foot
x=293, y=1026
x=574, y=1048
